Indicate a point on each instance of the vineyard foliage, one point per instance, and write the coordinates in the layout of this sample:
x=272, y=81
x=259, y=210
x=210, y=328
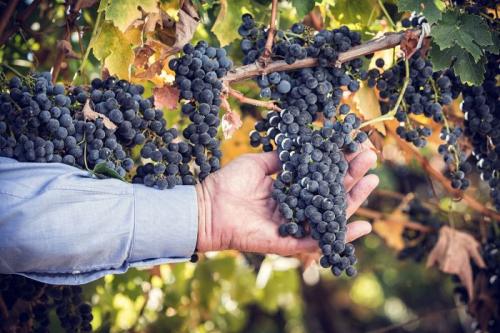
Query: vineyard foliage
x=422, y=211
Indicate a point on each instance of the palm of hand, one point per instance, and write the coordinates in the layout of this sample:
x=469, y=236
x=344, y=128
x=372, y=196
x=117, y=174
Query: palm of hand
x=242, y=214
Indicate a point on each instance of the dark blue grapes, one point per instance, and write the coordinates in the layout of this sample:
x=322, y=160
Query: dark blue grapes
x=309, y=189
x=198, y=76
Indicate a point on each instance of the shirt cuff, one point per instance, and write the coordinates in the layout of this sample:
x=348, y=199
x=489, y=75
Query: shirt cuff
x=166, y=224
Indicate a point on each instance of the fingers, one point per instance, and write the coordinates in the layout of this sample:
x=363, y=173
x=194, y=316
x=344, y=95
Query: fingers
x=360, y=192
x=289, y=246
x=357, y=229
x=269, y=162
x=358, y=167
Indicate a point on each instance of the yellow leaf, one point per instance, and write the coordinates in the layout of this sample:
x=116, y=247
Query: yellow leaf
x=226, y=24
x=134, y=36
x=391, y=231
x=368, y=106
x=124, y=12
x=119, y=61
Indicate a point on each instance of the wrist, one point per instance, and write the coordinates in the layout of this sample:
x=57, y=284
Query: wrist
x=204, y=217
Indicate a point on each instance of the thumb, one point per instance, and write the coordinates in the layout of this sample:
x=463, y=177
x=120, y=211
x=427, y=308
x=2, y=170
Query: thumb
x=269, y=162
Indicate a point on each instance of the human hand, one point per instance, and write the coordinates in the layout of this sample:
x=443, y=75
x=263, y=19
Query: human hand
x=236, y=210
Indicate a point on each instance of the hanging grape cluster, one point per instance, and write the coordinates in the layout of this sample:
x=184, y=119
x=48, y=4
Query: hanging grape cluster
x=309, y=189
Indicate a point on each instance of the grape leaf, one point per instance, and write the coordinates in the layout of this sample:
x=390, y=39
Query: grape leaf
x=453, y=253
x=495, y=47
x=368, y=106
x=113, y=48
x=231, y=121
x=462, y=62
x=166, y=97
x=442, y=59
x=470, y=71
x=468, y=31
x=102, y=44
x=123, y=12
x=303, y=7
x=101, y=170
x=431, y=9
x=227, y=21
x=89, y=114
x=119, y=61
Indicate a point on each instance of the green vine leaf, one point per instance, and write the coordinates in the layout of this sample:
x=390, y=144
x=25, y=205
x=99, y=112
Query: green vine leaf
x=431, y=9
x=228, y=20
x=303, y=7
x=461, y=61
x=101, y=170
x=467, y=31
x=123, y=12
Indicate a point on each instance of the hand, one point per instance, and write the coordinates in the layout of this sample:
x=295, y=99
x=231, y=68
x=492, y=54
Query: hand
x=236, y=210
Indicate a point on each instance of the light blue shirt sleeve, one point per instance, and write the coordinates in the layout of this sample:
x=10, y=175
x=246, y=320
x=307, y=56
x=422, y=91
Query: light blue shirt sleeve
x=59, y=225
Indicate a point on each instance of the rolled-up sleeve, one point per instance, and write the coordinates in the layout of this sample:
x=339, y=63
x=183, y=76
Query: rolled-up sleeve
x=60, y=225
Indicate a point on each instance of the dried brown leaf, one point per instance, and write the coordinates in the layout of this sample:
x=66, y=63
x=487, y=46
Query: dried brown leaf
x=186, y=26
x=66, y=47
x=409, y=42
x=453, y=253
x=151, y=71
x=142, y=54
x=231, y=121
x=151, y=20
x=89, y=114
x=166, y=97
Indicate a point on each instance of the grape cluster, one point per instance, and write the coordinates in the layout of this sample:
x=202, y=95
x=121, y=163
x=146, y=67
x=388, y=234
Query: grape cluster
x=482, y=126
x=89, y=127
x=309, y=189
x=198, y=75
x=29, y=303
x=40, y=122
x=428, y=93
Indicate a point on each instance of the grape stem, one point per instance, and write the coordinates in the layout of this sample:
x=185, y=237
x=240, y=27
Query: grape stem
x=268, y=48
x=385, y=117
x=468, y=200
x=386, y=13
x=95, y=32
x=375, y=215
x=390, y=115
x=244, y=99
x=387, y=41
x=70, y=23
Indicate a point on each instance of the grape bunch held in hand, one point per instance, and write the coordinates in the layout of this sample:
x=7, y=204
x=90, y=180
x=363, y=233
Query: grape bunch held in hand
x=310, y=187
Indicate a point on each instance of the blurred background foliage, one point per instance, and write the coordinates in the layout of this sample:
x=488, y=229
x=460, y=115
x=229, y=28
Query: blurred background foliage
x=234, y=292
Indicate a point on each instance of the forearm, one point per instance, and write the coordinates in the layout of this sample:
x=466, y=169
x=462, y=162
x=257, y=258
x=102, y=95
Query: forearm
x=58, y=225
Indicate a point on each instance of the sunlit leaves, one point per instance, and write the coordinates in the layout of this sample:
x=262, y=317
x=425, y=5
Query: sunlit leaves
x=462, y=62
x=227, y=22
x=467, y=31
x=114, y=48
x=124, y=12
x=303, y=7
